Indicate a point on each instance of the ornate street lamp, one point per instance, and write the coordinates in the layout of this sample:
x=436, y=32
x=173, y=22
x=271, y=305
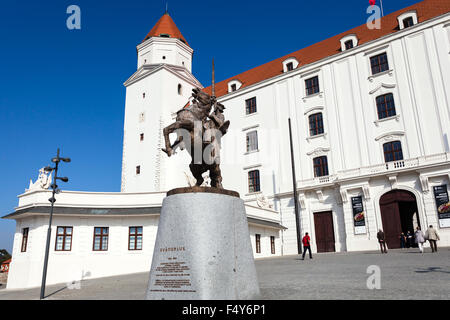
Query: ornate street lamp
x=52, y=200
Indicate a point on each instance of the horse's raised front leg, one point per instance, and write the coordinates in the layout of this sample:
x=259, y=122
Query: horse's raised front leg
x=188, y=125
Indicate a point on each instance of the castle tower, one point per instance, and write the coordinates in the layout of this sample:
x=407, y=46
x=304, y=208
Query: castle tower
x=161, y=86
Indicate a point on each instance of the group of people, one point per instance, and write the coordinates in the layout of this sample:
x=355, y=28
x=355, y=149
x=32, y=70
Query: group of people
x=419, y=237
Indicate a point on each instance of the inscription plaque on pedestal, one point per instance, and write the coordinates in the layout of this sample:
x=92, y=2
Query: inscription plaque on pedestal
x=203, y=249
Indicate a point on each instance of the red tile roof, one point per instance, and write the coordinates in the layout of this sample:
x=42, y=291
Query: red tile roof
x=426, y=10
x=165, y=26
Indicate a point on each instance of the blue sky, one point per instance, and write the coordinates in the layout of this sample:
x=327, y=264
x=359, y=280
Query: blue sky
x=64, y=88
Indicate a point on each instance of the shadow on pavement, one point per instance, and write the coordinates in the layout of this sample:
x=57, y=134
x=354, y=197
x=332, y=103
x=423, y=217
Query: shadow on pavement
x=53, y=293
x=432, y=269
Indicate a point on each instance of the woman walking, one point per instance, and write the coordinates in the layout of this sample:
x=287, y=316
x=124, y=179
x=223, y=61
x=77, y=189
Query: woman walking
x=420, y=238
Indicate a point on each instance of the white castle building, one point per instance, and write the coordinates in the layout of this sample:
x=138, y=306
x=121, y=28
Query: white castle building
x=370, y=121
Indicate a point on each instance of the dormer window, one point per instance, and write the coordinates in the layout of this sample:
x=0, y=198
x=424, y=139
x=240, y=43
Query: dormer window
x=407, y=19
x=408, y=22
x=290, y=64
x=348, y=42
x=234, y=85
x=164, y=35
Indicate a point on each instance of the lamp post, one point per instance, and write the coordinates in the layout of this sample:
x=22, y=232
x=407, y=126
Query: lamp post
x=52, y=200
x=294, y=183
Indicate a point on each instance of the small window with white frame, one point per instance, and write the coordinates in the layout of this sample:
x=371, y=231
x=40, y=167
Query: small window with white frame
x=348, y=42
x=407, y=19
x=234, y=85
x=290, y=64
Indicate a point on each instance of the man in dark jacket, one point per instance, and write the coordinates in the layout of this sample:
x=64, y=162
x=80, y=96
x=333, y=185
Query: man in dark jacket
x=306, y=246
x=382, y=241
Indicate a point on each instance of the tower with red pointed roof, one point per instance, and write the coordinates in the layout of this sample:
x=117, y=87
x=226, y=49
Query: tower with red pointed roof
x=165, y=44
x=161, y=85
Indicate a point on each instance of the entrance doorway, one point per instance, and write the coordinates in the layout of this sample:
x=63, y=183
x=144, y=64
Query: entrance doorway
x=323, y=222
x=398, y=214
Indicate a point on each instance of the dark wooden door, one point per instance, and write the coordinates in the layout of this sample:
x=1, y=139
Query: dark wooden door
x=392, y=226
x=323, y=222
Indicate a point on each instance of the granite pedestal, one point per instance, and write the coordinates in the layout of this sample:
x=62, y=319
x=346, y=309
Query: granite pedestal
x=203, y=248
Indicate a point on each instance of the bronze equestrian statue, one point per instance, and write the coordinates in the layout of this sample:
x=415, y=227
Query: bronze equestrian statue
x=205, y=131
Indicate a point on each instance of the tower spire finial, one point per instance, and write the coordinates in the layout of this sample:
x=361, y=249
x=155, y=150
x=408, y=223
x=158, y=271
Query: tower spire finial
x=167, y=7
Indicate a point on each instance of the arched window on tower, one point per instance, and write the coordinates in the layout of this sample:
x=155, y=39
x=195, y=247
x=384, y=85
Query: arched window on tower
x=180, y=89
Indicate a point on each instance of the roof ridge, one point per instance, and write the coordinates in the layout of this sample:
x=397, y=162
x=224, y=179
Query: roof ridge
x=331, y=46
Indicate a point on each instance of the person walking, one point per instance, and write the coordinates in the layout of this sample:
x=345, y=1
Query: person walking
x=420, y=238
x=402, y=240
x=409, y=239
x=306, y=245
x=382, y=241
x=432, y=236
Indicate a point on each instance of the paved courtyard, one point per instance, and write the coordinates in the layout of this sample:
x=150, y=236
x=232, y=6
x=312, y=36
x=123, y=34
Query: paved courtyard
x=405, y=274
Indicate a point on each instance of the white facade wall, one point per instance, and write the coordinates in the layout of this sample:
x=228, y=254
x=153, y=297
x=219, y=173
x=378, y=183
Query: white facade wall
x=353, y=137
x=81, y=262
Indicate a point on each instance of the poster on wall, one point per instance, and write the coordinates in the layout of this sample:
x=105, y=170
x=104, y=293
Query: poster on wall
x=359, y=217
x=443, y=205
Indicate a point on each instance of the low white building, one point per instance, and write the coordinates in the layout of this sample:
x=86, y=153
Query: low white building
x=370, y=120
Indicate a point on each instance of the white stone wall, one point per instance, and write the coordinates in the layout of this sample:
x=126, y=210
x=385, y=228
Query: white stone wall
x=81, y=262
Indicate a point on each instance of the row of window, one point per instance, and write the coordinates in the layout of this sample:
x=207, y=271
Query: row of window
x=64, y=236
x=392, y=152
x=385, y=108
x=348, y=42
x=379, y=63
x=258, y=244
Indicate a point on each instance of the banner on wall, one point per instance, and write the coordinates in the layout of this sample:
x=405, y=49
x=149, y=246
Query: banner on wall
x=359, y=216
x=442, y=205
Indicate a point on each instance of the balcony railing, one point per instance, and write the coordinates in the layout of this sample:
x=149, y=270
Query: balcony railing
x=400, y=165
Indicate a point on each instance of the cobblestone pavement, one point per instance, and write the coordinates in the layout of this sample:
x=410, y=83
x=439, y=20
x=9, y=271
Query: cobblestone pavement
x=405, y=274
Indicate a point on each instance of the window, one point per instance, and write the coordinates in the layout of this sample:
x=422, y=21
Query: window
x=385, y=106
x=234, y=85
x=408, y=22
x=290, y=66
x=348, y=44
x=379, y=63
x=250, y=105
x=320, y=166
x=312, y=85
x=63, y=239
x=258, y=243
x=141, y=117
x=253, y=181
x=141, y=137
x=24, y=239
x=143, y=95
x=138, y=169
x=135, y=238
x=180, y=89
x=101, y=239
x=272, y=244
x=252, y=141
x=315, y=124
x=392, y=151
